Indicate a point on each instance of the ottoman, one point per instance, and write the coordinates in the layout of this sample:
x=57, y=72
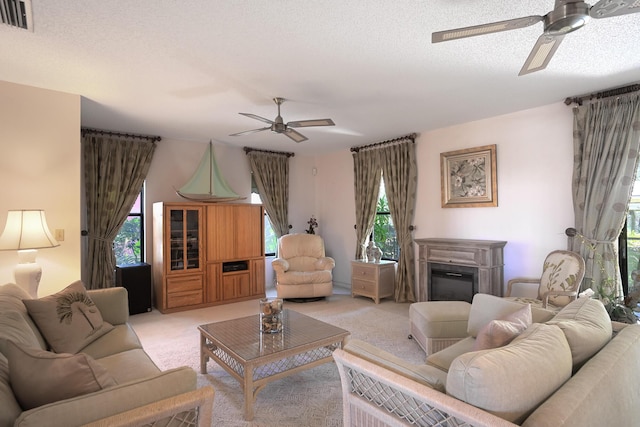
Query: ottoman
x=436, y=325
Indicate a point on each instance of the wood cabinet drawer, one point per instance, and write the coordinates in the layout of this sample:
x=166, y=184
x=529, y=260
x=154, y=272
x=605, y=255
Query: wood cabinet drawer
x=183, y=284
x=363, y=286
x=181, y=299
x=362, y=272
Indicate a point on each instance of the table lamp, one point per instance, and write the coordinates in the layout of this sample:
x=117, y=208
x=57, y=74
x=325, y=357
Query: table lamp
x=26, y=231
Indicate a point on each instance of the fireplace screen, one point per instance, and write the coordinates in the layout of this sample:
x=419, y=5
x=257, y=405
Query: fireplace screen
x=452, y=282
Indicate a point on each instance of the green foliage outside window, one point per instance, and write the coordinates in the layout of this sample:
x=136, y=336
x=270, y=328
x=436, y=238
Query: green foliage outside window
x=126, y=246
x=384, y=233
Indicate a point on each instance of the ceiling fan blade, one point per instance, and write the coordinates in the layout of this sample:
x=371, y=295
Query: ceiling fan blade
x=248, y=132
x=296, y=136
x=608, y=8
x=307, y=123
x=253, y=116
x=541, y=53
x=477, y=30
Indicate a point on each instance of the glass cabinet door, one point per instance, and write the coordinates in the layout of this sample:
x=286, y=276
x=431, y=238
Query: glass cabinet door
x=185, y=239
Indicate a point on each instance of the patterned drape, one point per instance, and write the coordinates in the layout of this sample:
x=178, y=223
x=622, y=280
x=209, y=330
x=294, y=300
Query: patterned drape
x=606, y=146
x=400, y=172
x=114, y=172
x=271, y=174
x=367, y=171
x=397, y=161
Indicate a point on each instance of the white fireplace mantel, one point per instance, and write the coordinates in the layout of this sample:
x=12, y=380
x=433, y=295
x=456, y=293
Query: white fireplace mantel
x=485, y=255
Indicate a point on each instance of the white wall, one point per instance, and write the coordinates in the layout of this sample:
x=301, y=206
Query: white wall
x=40, y=169
x=534, y=167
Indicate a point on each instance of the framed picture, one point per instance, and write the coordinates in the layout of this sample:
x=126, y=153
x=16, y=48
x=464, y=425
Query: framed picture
x=469, y=178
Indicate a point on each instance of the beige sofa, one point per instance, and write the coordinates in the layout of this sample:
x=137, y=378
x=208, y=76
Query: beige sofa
x=567, y=371
x=137, y=391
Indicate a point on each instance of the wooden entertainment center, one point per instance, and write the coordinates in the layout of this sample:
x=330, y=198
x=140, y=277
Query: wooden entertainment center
x=206, y=254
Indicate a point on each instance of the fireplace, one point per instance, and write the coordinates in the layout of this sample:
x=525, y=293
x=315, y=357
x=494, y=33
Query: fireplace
x=452, y=282
x=457, y=269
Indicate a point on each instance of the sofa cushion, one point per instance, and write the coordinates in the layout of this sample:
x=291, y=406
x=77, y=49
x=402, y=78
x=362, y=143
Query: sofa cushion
x=442, y=359
x=14, y=327
x=11, y=296
x=40, y=377
x=69, y=320
x=120, y=338
x=423, y=374
x=129, y=366
x=513, y=380
x=10, y=407
x=502, y=331
x=587, y=327
x=486, y=308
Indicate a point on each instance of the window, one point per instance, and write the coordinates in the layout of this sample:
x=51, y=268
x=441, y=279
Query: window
x=629, y=243
x=270, y=239
x=128, y=246
x=384, y=233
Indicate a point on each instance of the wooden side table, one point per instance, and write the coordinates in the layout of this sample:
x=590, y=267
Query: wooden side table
x=373, y=280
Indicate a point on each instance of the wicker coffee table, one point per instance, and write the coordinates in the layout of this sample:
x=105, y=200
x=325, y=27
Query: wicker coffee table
x=256, y=359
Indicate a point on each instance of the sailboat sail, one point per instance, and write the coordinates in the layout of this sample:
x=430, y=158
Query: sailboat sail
x=207, y=183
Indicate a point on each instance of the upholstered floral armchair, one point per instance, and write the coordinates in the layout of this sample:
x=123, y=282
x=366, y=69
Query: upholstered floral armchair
x=302, y=269
x=562, y=274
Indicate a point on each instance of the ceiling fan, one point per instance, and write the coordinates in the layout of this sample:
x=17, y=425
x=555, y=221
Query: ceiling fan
x=567, y=16
x=278, y=125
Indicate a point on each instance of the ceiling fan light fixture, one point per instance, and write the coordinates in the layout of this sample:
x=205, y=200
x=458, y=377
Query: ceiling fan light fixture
x=566, y=18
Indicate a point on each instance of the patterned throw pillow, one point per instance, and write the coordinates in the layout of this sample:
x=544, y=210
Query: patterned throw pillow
x=502, y=331
x=39, y=377
x=68, y=320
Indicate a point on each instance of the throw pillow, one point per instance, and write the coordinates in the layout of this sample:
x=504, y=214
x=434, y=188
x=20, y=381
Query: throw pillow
x=587, y=327
x=39, y=377
x=501, y=332
x=69, y=320
x=513, y=380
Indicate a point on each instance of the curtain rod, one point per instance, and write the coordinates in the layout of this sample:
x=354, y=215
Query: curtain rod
x=411, y=136
x=86, y=131
x=282, y=153
x=604, y=94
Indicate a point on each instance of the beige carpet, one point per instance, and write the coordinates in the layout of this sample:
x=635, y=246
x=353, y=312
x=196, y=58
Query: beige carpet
x=309, y=398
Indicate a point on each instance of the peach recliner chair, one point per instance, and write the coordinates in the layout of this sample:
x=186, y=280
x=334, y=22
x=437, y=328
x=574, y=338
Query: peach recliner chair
x=302, y=269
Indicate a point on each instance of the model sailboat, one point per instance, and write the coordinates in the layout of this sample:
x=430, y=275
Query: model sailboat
x=207, y=183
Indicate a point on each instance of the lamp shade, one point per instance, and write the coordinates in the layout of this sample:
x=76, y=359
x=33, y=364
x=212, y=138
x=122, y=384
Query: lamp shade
x=26, y=229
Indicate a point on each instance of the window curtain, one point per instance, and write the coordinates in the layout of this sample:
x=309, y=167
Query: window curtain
x=606, y=146
x=400, y=172
x=114, y=172
x=367, y=170
x=271, y=174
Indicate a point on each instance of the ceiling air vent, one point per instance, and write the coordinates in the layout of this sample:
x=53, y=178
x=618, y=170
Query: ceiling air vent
x=17, y=13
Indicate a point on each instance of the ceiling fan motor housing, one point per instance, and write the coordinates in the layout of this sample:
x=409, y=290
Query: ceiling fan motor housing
x=566, y=18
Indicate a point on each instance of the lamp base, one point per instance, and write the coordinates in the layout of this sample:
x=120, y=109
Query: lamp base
x=28, y=273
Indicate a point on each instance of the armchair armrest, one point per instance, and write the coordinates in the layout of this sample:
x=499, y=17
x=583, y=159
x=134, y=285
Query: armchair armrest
x=280, y=265
x=196, y=405
x=110, y=401
x=113, y=304
x=527, y=282
x=325, y=263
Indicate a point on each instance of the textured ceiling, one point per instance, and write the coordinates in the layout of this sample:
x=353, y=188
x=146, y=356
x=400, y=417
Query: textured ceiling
x=184, y=69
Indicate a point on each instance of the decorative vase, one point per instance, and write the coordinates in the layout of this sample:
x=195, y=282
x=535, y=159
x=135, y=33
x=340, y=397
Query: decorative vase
x=270, y=315
x=377, y=255
x=371, y=248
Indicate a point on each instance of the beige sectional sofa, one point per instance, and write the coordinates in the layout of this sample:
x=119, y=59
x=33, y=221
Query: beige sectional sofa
x=109, y=381
x=576, y=369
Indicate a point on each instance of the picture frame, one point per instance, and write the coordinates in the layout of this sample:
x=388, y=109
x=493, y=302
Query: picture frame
x=469, y=178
